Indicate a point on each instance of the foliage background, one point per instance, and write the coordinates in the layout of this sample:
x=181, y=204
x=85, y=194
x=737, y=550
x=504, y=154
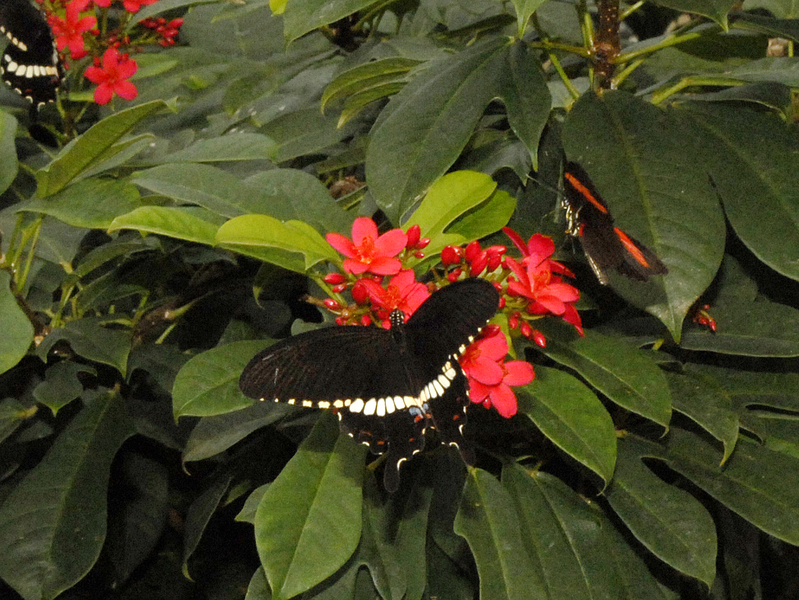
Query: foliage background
x=650, y=459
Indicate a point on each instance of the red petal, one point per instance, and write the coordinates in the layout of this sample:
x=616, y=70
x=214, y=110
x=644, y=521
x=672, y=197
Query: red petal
x=519, y=372
x=340, y=243
x=504, y=400
x=516, y=239
x=384, y=266
x=391, y=242
x=355, y=267
x=362, y=228
x=485, y=370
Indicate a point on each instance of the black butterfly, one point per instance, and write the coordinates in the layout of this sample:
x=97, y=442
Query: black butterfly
x=604, y=245
x=30, y=63
x=387, y=386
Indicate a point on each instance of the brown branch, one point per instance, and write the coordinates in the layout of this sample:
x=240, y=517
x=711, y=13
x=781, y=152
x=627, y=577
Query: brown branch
x=606, y=43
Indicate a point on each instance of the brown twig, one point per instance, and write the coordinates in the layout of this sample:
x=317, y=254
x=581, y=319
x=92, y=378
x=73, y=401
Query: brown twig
x=606, y=44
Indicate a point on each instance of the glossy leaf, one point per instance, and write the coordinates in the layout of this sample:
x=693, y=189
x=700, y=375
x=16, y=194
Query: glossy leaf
x=572, y=417
x=309, y=521
x=367, y=76
x=252, y=233
x=61, y=385
x=301, y=17
x=53, y=523
x=92, y=203
x=671, y=523
x=759, y=484
x=743, y=168
x=488, y=520
x=628, y=376
x=208, y=384
x=190, y=224
x=16, y=327
x=582, y=555
x=94, y=146
x=232, y=147
x=425, y=127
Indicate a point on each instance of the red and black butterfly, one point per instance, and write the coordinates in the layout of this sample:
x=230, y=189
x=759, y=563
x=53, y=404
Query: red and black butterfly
x=604, y=245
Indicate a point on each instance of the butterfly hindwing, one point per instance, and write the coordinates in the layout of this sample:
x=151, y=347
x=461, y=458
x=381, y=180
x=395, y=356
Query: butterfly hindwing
x=30, y=62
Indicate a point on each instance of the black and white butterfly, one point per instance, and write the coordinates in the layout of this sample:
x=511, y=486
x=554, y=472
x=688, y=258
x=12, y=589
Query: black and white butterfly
x=386, y=386
x=30, y=63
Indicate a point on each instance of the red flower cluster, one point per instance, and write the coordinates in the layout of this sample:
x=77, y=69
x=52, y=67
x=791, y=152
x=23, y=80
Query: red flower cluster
x=490, y=377
x=370, y=257
x=72, y=25
x=167, y=32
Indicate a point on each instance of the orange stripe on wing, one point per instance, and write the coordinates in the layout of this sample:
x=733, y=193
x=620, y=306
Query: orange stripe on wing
x=632, y=248
x=585, y=193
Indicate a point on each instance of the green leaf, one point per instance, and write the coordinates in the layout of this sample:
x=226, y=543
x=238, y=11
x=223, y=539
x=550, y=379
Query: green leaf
x=582, y=555
x=92, y=341
x=294, y=194
x=92, y=147
x=716, y=10
x=367, y=76
x=12, y=415
x=92, y=203
x=8, y=151
x=213, y=435
x=412, y=504
x=572, y=417
x=253, y=233
x=232, y=147
x=670, y=522
x=759, y=484
x=204, y=185
x=309, y=521
x=301, y=17
x=452, y=196
x=200, y=513
x=743, y=168
x=701, y=398
x=53, y=523
x=628, y=376
x=525, y=10
x=183, y=223
x=488, y=520
x=61, y=385
x=630, y=149
x=424, y=128
x=208, y=384
x=16, y=327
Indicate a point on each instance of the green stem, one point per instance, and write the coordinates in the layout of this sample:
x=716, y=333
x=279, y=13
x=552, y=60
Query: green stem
x=686, y=82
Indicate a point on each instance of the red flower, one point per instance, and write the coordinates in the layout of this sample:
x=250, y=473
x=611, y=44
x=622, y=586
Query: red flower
x=111, y=78
x=490, y=378
x=68, y=32
x=368, y=252
x=479, y=259
x=537, y=250
x=403, y=292
x=133, y=6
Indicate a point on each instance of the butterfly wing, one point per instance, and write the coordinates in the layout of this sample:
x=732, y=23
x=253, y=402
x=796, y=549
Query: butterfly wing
x=30, y=63
x=359, y=372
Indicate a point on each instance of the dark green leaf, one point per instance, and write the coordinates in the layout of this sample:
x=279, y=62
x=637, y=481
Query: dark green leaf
x=92, y=341
x=488, y=520
x=426, y=126
x=302, y=17
x=184, y=223
x=234, y=146
x=61, y=385
x=628, y=376
x=671, y=523
x=309, y=521
x=16, y=327
x=53, y=524
x=753, y=154
x=8, y=152
x=200, y=513
x=572, y=417
x=716, y=10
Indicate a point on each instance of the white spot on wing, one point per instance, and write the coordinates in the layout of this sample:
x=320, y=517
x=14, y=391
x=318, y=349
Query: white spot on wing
x=356, y=406
x=370, y=407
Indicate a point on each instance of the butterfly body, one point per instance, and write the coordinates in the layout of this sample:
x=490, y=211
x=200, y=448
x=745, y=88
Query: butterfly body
x=386, y=386
x=605, y=245
x=30, y=63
